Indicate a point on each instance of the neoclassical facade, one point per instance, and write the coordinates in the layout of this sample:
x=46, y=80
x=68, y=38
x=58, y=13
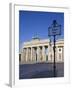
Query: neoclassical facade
x=37, y=50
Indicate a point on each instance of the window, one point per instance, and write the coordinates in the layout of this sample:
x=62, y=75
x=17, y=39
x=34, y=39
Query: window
x=59, y=49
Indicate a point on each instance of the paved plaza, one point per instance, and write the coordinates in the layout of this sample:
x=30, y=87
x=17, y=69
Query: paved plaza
x=40, y=70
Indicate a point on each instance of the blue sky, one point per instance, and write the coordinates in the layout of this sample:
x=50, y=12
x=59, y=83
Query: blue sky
x=32, y=23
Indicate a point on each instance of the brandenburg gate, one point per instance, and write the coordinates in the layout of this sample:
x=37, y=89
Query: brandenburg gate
x=37, y=50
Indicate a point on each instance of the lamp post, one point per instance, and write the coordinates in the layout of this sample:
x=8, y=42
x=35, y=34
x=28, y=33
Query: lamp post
x=54, y=58
x=54, y=30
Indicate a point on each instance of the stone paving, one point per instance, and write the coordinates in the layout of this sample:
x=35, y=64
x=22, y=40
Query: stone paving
x=40, y=70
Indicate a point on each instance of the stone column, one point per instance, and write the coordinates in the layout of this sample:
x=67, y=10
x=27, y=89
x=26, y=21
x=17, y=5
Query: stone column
x=56, y=54
x=22, y=55
x=46, y=53
x=38, y=54
x=31, y=53
x=56, y=51
x=43, y=53
x=52, y=54
x=60, y=54
x=49, y=53
x=26, y=54
x=63, y=54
